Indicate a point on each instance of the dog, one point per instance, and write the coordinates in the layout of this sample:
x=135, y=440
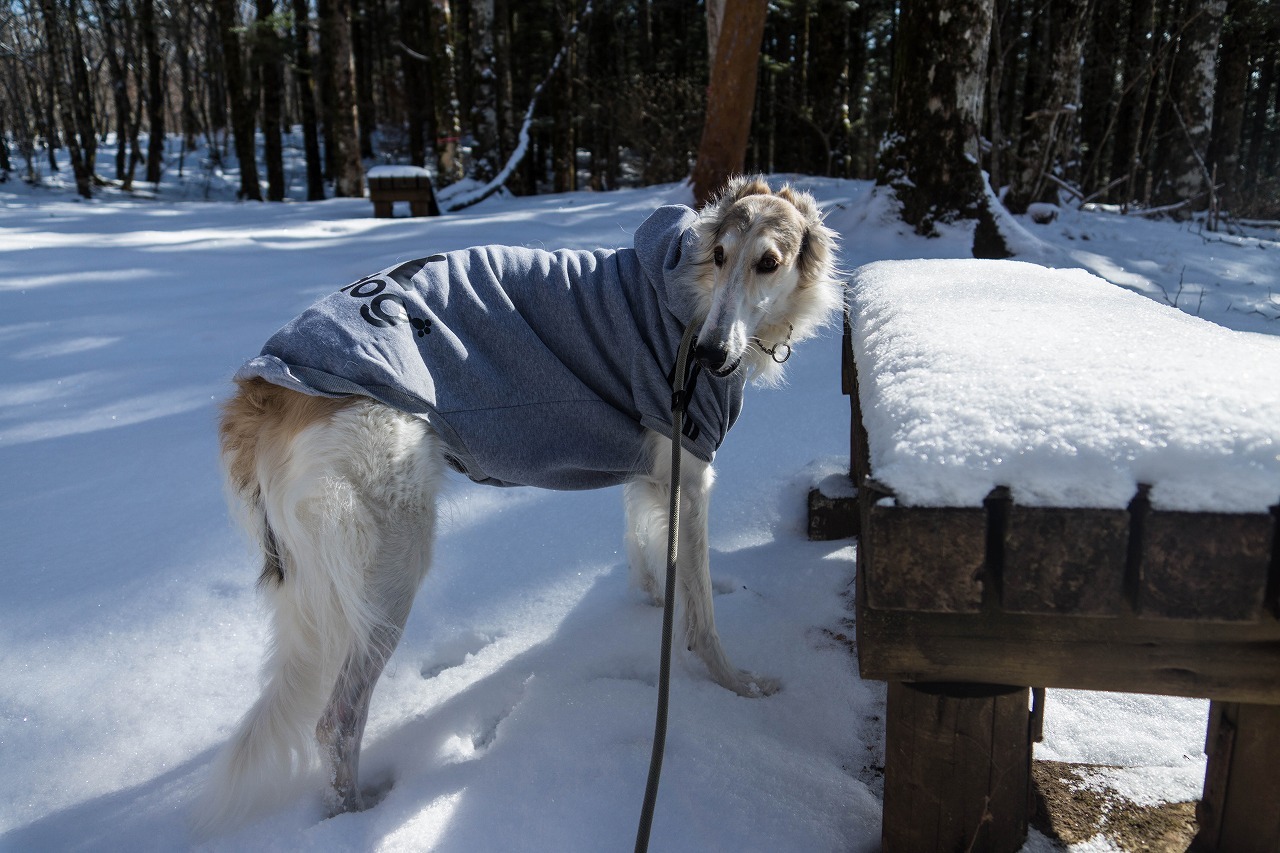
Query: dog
x=336, y=466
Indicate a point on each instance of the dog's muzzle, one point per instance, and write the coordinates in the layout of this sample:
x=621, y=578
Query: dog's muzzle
x=715, y=359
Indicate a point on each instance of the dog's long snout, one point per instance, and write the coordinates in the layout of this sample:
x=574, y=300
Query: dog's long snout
x=714, y=357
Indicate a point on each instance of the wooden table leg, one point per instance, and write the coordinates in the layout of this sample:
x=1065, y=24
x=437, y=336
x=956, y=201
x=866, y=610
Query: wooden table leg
x=382, y=209
x=1240, y=807
x=957, y=768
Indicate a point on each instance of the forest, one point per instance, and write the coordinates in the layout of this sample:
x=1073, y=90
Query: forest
x=1165, y=105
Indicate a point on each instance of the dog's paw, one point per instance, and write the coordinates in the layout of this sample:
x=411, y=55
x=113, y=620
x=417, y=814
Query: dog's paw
x=752, y=686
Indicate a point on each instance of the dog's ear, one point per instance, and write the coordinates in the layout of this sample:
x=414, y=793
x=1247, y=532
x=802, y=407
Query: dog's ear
x=817, y=246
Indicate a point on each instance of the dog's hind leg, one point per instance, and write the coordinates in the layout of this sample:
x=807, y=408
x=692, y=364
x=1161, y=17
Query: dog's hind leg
x=397, y=470
x=402, y=560
x=647, y=499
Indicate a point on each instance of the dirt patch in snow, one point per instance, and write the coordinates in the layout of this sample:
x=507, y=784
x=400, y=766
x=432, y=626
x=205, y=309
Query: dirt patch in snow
x=1071, y=811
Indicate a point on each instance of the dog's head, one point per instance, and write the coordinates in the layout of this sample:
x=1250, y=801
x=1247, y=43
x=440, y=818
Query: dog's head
x=766, y=277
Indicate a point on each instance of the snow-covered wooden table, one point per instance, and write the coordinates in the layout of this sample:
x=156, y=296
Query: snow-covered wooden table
x=1060, y=484
x=389, y=184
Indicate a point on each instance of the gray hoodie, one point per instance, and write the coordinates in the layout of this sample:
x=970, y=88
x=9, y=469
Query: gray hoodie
x=535, y=368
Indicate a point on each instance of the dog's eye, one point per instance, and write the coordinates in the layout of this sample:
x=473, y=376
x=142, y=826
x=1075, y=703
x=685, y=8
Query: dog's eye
x=719, y=256
x=767, y=264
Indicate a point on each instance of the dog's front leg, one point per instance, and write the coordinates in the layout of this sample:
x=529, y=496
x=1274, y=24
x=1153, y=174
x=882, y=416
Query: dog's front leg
x=647, y=500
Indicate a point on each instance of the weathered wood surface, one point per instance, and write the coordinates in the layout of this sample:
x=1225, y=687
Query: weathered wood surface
x=957, y=768
x=1239, y=811
x=1058, y=562
x=1230, y=661
x=832, y=517
x=1205, y=565
x=933, y=558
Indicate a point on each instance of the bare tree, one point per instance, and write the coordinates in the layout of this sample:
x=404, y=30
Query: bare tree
x=268, y=51
x=730, y=97
x=307, y=99
x=149, y=28
x=72, y=93
x=1191, y=91
x=930, y=156
x=335, y=27
x=242, y=124
x=1045, y=133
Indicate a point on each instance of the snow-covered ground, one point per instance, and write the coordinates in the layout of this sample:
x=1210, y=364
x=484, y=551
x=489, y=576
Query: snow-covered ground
x=517, y=712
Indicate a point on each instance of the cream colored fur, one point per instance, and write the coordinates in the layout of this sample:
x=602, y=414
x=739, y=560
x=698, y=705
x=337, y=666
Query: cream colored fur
x=341, y=494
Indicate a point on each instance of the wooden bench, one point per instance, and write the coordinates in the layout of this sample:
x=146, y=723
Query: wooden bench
x=962, y=609
x=390, y=184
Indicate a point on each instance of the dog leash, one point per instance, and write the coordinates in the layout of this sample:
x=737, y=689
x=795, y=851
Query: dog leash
x=679, y=401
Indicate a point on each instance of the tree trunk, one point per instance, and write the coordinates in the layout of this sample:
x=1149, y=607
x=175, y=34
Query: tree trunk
x=730, y=97
x=1191, y=91
x=1244, y=20
x=930, y=156
x=361, y=40
x=117, y=66
x=268, y=52
x=150, y=28
x=564, y=138
x=449, y=129
x=1136, y=77
x=486, y=158
x=307, y=97
x=1046, y=125
x=1097, y=100
x=72, y=92
x=242, y=125
x=348, y=171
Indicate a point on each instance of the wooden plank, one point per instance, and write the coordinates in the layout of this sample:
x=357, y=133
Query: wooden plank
x=832, y=517
x=1240, y=807
x=1207, y=566
x=923, y=558
x=1230, y=661
x=957, y=768
x=1065, y=561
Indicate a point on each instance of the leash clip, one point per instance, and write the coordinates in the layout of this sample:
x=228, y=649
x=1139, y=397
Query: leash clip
x=772, y=351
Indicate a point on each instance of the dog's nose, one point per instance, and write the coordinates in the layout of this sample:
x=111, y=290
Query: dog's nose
x=711, y=357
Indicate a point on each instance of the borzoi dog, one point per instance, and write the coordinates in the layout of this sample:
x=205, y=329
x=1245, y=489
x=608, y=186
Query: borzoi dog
x=513, y=366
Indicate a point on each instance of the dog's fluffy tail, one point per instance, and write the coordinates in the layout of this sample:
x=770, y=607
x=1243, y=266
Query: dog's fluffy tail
x=316, y=543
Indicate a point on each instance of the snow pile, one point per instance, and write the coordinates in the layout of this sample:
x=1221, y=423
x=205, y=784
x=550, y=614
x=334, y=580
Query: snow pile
x=1061, y=386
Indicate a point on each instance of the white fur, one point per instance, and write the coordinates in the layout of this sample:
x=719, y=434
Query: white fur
x=345, y=501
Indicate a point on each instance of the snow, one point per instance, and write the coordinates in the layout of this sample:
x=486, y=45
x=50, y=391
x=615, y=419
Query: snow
x=395, y=171
x=517, y=711
x=1062, y=386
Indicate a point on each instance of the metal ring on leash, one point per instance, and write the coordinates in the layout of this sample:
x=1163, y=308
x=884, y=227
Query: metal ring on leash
x=772, y=351
x=678, y=403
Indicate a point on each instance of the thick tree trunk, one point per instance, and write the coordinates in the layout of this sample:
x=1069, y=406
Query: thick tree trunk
x=730, y=97
x=486, y=158
x=1046, y=126
x=564, y=137
x=1243, y=23
x=1098, y=98
x=71, y=92
x=348, y=172
x=449, y=129
x=1191, y=90
x=150, y=29
x=930, y=156
x=1136, y=79
x=307, y=97
x=268, y=51
x=242, y=125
